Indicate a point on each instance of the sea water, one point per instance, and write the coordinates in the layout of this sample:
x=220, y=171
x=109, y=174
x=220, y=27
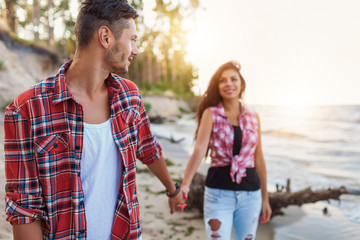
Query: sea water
x=313, y=146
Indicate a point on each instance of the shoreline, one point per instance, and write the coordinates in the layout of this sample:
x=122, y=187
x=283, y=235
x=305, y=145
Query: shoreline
x=303, y=223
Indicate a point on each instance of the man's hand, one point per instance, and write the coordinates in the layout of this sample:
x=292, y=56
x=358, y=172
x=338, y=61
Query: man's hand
x=160, y=171
x=177, y=201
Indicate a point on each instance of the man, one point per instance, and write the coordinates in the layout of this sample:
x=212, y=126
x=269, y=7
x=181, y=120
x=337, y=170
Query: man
x=71, y=141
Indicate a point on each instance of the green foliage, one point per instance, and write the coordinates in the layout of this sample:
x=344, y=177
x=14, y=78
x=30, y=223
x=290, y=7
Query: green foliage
x=169, y=162
x=148, y=190
x=2, y=65
x=143, y=170
x=4, y=105
x=161, y=64
x=189, y=231
x=182, y=110
x=147, y=106
x=17, y=39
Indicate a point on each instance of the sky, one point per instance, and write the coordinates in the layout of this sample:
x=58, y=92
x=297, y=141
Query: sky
x=291, y=51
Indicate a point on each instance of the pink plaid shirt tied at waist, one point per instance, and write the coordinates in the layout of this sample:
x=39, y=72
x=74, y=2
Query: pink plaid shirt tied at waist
x=222, y=141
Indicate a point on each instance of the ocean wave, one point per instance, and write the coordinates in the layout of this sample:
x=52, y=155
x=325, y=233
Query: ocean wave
x=331, y=140
x=290, y=134
x=284, y=133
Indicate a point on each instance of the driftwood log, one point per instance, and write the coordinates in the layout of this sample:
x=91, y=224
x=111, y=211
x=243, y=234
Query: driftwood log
x=278, y=200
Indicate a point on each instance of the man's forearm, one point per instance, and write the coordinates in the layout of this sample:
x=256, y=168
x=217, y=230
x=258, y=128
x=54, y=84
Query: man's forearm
x=29, y=231
x=160, y=171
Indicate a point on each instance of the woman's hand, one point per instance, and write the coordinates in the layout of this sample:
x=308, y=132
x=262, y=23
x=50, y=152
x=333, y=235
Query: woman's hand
x=265, y=212
x=185, y=190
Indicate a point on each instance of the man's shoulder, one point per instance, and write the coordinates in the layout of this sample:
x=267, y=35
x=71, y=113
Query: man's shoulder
x=31, y=93
x=125, y=84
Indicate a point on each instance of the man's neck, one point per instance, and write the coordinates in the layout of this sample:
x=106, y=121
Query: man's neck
x=86, y=75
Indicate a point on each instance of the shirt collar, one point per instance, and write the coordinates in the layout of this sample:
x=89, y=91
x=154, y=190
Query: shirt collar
x=62, y=92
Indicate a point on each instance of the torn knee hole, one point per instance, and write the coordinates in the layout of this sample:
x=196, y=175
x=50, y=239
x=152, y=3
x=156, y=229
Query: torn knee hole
x=215, y=235
x=214, y=224
x=248, y=237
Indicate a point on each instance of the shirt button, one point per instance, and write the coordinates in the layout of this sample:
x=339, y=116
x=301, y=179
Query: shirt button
x=55, y=145
x=78, y=174
x=77, y=147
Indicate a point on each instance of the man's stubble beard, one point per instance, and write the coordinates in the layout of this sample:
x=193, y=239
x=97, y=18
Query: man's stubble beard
x=113, y=61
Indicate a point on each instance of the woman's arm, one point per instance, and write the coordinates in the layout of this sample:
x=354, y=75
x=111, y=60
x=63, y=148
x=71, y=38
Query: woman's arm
x=201, y=146
x=261, y=171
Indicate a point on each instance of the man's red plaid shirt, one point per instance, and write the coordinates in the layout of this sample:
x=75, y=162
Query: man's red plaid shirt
x=43, y=145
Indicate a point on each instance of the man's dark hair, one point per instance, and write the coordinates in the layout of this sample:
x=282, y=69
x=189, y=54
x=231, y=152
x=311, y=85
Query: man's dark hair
x=96, y=13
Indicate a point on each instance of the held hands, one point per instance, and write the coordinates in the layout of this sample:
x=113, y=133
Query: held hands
x=265, y=212
x=184, y=190
x=176, y=199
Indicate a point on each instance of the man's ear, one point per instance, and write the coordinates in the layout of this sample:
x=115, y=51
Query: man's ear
x=104, y=35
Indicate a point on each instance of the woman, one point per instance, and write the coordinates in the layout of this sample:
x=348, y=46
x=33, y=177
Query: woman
x=235, y=188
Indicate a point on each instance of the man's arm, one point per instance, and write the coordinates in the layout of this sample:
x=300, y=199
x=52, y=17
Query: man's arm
x=29, y=231
x=160, y=171
x=149, y=152
x=24, y=203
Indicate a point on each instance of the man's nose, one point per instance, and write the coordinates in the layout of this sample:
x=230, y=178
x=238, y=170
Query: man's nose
x=135, y=50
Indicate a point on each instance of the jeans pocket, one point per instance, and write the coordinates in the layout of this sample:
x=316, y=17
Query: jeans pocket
x=212, y=195
x=254, y=195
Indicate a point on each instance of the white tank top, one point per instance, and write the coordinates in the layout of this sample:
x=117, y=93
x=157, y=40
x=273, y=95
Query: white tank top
x=101, y=168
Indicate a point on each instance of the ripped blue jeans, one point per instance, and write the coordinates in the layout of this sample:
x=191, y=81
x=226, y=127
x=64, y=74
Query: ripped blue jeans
x=228, y=212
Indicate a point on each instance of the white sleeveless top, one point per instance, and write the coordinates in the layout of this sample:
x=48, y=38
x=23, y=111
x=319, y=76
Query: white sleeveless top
x=101, y=168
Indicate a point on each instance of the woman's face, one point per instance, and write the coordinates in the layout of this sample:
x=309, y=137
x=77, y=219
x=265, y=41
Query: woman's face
x=229, y=84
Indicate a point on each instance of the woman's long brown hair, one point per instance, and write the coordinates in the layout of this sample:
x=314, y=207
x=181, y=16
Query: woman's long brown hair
x=212, y=96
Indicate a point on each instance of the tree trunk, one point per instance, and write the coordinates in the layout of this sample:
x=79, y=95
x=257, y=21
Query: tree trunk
x=36, y=20
x=149, y=72
x=50, y=24
x=278, y=200
x=173, y=69
x=11, y=14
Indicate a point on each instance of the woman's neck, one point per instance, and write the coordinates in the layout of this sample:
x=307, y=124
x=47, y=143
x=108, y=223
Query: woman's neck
x=231, y=105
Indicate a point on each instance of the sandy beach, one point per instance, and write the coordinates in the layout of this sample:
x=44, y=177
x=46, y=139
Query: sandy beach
x=306, y=222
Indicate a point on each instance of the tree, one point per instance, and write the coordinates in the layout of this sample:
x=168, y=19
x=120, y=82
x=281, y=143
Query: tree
x=161, y=64
x=163, y=50
x=36, y=20
x=11, y=14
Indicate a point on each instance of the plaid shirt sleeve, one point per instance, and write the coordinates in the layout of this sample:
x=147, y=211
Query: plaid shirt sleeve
x=148, y=149
x=24, y=203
